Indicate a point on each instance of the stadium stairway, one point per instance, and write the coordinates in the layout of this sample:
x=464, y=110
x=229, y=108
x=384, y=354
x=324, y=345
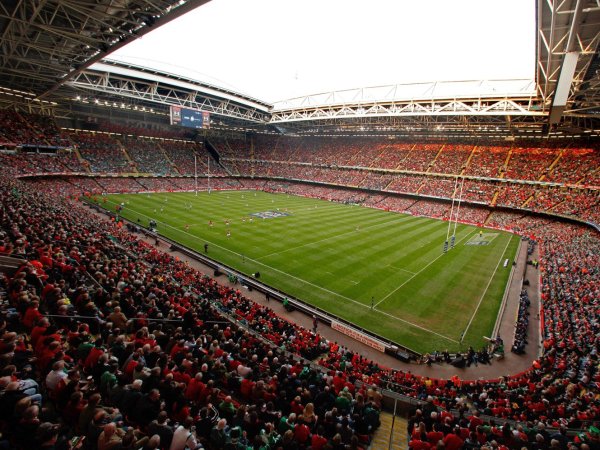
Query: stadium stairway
x=400, y=164
x=468, y=161
x=172, y=165
x=437, y=155
x=381, y=438
x=590, y=175
x=495, y=196
x=550, y=168
x=528, y=201
x=487, y=218
x=504, y=168
x=556, y=205
x=132, y=164
x=84, y=162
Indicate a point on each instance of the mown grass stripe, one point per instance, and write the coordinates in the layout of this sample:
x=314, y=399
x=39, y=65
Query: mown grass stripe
x=338, y=257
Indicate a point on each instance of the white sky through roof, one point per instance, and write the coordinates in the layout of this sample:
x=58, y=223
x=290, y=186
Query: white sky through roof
x=278, y=49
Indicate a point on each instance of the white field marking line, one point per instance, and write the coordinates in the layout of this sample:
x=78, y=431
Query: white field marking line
x=331, y=237
x=417, y=273
x=314, y=285
x=416, y=326
x=322, y=288
x=400, y=268
x=486, y=288
x=182, y=231
x=495, y=236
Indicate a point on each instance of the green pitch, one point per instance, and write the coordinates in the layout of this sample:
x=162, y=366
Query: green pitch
x=344, y=259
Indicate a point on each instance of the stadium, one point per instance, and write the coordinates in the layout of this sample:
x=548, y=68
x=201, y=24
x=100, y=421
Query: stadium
x=234, y=256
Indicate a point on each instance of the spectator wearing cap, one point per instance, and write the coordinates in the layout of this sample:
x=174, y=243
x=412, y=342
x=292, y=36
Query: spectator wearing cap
x=47, y=436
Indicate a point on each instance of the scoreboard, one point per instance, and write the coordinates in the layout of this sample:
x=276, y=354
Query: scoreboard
x=190, y=118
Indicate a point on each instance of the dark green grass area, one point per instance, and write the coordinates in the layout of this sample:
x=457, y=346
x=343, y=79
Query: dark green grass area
x=345, y=258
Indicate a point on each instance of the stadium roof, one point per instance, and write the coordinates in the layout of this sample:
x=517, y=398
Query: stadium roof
x=45, y=42
x=50, y=47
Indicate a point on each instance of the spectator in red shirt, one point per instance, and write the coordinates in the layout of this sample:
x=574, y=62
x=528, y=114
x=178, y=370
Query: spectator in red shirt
x=32, y=315
x=434, y=436
x=453, y=441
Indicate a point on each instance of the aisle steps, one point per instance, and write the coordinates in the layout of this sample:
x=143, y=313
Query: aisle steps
x=381, y=438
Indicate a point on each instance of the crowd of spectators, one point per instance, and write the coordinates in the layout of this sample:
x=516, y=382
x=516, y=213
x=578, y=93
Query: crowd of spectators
x=150, y=130
x=26, y=163
x=391, y=156
x=30, y=129
x=515, y=195
x=181, y=154
x=421, y=157
x=102, y=152
x=406, y=183
x=376, y=181
x=130, y=347
x=148, y=156
x=575, y=165
x=452, y=159
x=520, y=336
x=530, y=163
x=91, y=274
x=17, y=164
x=341, y=161
x=487, y=161
x=441, y=187
x=45, y=132
x=472, y=214
x=390, y=203
x=478, y=191
x=437, y=210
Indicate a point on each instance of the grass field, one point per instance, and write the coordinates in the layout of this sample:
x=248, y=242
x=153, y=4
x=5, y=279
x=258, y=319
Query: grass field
x=343, y=258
